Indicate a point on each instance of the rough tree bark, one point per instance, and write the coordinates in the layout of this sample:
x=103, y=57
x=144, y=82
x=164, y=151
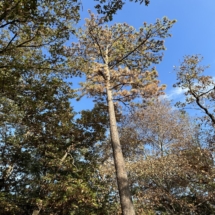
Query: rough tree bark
x=121, y=174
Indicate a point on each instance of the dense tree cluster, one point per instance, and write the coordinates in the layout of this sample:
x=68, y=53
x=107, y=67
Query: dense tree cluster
x=55, y=161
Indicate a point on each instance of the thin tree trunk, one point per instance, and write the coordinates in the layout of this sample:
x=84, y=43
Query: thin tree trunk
x=121, y=175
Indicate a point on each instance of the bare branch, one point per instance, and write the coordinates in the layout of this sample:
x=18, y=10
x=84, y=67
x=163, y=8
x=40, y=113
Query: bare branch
x=203, y=107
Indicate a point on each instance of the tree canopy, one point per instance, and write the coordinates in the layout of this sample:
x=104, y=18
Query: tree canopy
x=151, y=158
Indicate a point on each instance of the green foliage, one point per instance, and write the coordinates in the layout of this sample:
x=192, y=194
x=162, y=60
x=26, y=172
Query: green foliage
x=48, y=159
x=111, y=7
x=33, y=32
x=35, y=136
x=55, y=161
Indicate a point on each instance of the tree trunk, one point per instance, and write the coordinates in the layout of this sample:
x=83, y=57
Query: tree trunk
x=121, y=175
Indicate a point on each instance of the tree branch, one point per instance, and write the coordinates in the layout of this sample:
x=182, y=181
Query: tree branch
x=201, y=106
x=96, y=41
x=3, y=16
x=142, y=43
x=8, y=44
x=207, y=92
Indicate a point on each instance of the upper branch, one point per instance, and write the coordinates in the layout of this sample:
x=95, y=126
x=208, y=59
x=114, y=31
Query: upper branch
x=136, y=48
x=197, y=99
x=8, y=44
x=96, y=41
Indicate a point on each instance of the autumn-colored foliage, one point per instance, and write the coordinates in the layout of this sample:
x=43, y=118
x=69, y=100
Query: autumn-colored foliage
x=116, y=61
x=54, y=161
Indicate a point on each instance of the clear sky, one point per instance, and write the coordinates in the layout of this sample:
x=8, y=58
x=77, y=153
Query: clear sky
x=193, y=33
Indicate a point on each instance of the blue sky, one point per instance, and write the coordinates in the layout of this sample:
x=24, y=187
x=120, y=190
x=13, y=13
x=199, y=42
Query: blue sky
x=193, y=33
